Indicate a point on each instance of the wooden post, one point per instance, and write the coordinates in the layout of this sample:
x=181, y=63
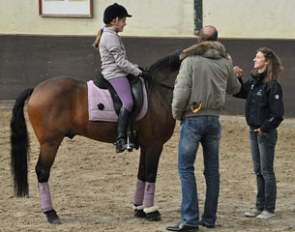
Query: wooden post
x=198, y=5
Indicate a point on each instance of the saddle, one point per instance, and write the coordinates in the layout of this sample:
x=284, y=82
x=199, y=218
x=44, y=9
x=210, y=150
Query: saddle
x=139, y=106
x=136, y=90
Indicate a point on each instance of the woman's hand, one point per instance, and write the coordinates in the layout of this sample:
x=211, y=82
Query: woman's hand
x=260, y=132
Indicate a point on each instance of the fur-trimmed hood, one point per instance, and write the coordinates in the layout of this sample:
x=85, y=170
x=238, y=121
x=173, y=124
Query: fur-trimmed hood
x=209, y=49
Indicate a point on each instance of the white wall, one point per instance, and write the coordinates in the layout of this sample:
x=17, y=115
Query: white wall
x=161, y=18
x=150, y=18
x=251, y=18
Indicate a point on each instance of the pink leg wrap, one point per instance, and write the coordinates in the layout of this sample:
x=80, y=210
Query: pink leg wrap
x=139, y=192
x=149, y=194
x=45, y=197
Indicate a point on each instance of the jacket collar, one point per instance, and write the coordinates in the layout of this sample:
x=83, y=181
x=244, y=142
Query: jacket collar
x=106, y=29
x=258, y=77
x=208, y=49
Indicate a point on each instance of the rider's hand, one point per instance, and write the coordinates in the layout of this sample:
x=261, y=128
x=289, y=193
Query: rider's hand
x=146, y=75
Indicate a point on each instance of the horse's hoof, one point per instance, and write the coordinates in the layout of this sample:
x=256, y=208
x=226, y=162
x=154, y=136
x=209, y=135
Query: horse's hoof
x=154, y=216
x=152, y=213
x=52, y=217
x=139, y=213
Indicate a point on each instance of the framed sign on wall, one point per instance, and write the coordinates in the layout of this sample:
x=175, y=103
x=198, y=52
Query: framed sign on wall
x=66, y=8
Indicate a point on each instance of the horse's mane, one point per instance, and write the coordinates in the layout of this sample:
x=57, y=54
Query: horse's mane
x=170, y=62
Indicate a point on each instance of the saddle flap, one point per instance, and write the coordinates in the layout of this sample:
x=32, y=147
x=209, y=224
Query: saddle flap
x=138, y=92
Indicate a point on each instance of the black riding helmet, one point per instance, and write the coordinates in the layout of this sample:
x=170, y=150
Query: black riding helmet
x=114, y=11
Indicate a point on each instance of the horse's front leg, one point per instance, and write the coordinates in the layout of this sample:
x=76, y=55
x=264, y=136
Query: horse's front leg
x=43, y=166
x=146, y=184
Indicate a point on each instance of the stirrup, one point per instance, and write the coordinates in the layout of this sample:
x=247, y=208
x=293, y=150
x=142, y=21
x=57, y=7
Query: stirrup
x=129, y=145
x=121, y=145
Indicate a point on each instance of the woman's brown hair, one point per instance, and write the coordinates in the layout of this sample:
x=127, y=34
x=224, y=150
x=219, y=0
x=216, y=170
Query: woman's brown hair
x=274, y=66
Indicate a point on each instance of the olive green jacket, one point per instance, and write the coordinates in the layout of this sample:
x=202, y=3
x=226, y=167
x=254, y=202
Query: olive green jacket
x=205, y=76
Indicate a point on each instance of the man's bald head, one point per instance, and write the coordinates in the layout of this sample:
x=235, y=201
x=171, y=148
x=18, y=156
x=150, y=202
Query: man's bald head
x=208, y=33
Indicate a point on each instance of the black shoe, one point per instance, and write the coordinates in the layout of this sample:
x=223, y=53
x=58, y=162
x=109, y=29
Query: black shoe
x=121, y=145
x=183, y=227
x=209, y=226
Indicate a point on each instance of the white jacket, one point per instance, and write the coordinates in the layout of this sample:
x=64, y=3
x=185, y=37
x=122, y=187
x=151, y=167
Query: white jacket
x=114, y=62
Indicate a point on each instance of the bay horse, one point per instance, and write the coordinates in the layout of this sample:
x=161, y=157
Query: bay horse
x=57, y=108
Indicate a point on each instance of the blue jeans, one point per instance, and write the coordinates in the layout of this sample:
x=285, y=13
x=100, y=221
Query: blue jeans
x=263, y=153
x=195, y=130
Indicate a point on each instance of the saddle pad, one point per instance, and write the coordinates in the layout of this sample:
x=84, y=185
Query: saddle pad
x=97, y=96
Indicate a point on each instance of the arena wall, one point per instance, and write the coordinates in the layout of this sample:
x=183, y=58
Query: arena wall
x=34, y=48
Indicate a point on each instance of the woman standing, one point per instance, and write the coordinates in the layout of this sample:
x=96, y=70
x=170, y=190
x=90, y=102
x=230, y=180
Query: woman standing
x=264, y=113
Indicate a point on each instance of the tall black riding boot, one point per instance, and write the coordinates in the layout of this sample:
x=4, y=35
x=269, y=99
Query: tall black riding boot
x=121, y=143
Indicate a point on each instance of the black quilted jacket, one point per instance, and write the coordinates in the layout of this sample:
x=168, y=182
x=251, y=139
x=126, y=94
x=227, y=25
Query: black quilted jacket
x=264, y=102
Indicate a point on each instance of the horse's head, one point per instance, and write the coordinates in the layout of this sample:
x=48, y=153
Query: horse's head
x=166, y=68
x=169, y=63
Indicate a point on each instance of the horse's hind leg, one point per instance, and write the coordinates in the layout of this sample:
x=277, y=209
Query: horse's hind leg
x=46, y=158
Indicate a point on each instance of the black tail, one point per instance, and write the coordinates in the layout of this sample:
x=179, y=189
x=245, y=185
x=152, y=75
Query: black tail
x=19, y=141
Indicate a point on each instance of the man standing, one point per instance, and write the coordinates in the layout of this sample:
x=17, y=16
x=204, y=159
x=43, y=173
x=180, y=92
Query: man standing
x=205, y=76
